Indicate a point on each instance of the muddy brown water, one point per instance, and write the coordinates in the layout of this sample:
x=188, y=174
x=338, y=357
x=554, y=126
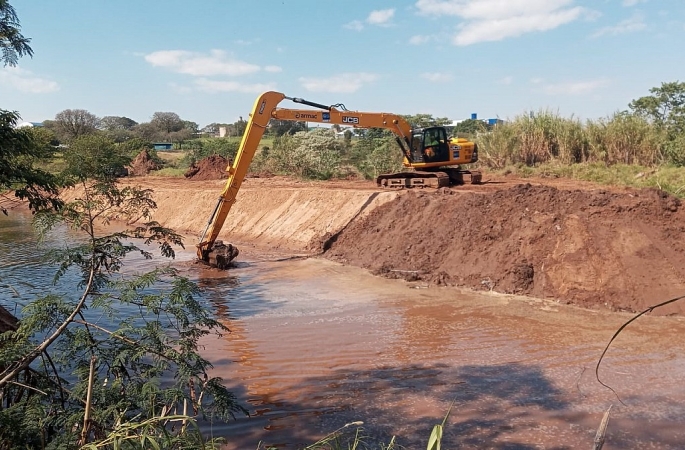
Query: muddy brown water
x=315, y=345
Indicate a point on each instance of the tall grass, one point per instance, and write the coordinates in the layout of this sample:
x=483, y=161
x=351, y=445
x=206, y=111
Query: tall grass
x=532, y=139
x=624, y=139
x=537, y=138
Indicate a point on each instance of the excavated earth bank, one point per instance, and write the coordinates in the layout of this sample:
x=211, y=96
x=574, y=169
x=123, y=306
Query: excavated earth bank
x=620, y=249
x=624, y=250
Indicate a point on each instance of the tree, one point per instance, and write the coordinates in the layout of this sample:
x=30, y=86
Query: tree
x=86, y=369
x=470, y=126
x=118, y=128
x=167, y=122
x=95, y=156
x=426, y=120
x=281, y=127
x=13, y=44
x=73, y=123
x=114, y=123
x=212, y=129
x=19, y=149
x=315, y=154
x=146, y=131
x=375, y=154
x=665, y=108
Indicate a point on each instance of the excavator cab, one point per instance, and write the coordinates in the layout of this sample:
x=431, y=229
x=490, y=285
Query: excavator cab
x=430, y=145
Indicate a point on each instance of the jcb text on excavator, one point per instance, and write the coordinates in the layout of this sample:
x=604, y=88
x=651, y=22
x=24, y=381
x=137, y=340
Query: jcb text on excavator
x=434, y=158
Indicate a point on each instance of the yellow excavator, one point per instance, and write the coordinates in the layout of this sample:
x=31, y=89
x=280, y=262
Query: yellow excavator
x=434, y=158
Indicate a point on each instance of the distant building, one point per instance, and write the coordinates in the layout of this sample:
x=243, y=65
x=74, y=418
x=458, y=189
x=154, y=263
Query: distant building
x=29, y=125
x=162, y=145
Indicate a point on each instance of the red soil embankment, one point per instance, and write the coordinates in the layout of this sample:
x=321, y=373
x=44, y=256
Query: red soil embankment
x=623, y=250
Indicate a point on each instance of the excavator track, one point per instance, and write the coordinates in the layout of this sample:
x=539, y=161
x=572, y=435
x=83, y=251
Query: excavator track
x=402, y=180
x=421, y=179
x=457, y=176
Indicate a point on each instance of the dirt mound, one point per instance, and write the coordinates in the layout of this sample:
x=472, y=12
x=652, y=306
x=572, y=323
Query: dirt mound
x=142, y=164
x=625, y=251
x=210, y=168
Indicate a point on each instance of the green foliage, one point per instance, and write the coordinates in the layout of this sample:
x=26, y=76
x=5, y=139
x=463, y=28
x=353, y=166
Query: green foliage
x=674, y=150
x=119, y=129
x=435, y=439
x=281, y=127
x=316, y=154
x=534, y=139
x=665, y=108
x=426, y=120
x=71, y=124
x=154, y=434
x=204, y=147
x=623, y=139
x=19, y=151
x=132, y=147
x=376, y=156
x=668, y=178
x=120, y=381
x=470, y=127
x=13, y=44
x=95, y=156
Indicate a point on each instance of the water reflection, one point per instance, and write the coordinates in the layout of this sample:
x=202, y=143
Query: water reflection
x=330, y=345
x=313, y=345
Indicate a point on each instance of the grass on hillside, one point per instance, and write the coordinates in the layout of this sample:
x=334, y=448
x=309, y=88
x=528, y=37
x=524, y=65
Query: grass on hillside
x=668, y=178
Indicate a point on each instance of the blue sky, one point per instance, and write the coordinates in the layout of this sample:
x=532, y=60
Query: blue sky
x=208, y=60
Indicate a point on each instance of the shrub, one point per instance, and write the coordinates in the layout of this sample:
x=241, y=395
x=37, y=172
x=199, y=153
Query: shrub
x=204, y=147
x=316, y=154
x=376, y=156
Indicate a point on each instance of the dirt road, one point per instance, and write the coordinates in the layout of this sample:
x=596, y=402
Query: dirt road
x=576, y=242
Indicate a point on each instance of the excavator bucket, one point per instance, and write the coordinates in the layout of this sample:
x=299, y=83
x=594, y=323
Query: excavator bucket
x=221, y=255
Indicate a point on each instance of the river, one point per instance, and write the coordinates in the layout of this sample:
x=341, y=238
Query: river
x=315, y=345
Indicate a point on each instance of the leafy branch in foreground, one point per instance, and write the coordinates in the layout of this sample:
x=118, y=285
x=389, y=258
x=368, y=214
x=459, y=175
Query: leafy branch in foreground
x=118, y=364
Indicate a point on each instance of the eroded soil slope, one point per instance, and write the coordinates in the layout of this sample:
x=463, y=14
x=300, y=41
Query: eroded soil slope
x=622, y=250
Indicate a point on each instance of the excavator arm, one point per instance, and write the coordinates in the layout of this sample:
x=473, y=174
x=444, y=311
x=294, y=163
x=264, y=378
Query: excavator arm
x=264, y=109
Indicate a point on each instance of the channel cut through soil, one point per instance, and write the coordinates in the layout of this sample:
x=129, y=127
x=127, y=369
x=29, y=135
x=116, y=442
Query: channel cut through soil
x=575, y=242
x=596, y=248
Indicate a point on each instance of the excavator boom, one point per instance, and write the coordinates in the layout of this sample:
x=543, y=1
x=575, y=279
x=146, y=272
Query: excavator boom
x=418, y=153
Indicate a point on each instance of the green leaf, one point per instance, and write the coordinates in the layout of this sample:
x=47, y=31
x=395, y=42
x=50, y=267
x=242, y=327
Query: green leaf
x=435, y=438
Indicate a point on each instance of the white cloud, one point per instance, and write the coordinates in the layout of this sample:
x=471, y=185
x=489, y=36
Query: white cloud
x=217, y=62
x=25, y=81
x=342, y=83
x=436, y=77
x=419, y=39
x=506, y=80
x=629, y=3
x=206, y=85
x=635, y=23
x=380, y=17
x=354, y=25
x=574, y=87
x=273, y=69
x=495, y=20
